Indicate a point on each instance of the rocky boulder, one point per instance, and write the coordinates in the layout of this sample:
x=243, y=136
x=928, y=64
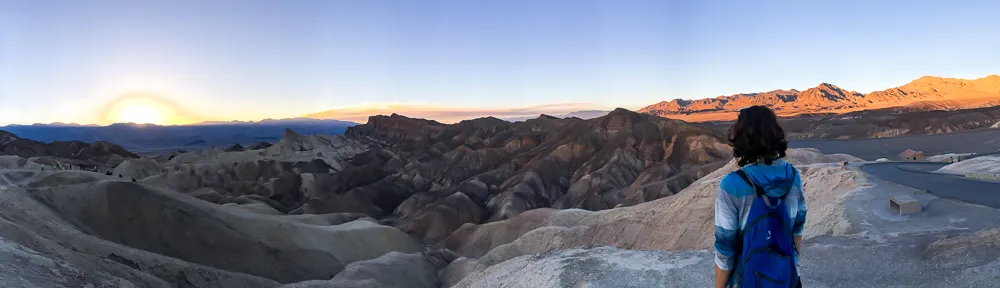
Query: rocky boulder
x=235, y=148
x=911, y=155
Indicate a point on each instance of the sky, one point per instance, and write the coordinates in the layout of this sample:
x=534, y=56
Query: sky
x=190, y=61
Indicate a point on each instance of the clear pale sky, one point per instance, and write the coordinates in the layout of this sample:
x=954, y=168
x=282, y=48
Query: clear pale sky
x=68, y=61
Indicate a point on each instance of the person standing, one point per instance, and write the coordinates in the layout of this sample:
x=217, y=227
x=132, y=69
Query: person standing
x=760, y=210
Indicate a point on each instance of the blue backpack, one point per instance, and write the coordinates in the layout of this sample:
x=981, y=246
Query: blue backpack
x=767, y=254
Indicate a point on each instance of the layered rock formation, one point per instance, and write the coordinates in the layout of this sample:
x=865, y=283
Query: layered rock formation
x=925, y=93
x=432, y=178
x=285, y=175
x=126, y=223
x=73, y=152
x=280, y=182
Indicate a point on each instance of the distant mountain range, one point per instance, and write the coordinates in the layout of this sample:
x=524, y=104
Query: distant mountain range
x=139, y=137
x=298, y=120
x=925, y=93
x=586, y=114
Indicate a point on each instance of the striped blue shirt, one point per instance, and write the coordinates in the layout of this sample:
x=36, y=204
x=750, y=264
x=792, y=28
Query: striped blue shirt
x=735, y=196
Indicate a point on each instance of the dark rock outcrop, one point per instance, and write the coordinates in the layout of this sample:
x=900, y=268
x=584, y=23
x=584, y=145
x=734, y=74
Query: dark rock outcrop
x=163, y=158
x=235, y=147
x=279, y=182
x=258, y=146
x=76, y=152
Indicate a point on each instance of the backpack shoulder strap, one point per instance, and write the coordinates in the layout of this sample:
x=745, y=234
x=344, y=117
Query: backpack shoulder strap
x=757, y=189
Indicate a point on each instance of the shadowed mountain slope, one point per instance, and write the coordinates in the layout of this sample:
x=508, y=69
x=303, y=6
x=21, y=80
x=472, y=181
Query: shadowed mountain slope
x=74, y=152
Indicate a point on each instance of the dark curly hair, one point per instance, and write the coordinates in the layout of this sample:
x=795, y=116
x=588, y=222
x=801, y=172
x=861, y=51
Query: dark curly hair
x=756, y=136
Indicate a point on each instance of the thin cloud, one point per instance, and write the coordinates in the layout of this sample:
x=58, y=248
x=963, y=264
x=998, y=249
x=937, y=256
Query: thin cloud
x=361, y=113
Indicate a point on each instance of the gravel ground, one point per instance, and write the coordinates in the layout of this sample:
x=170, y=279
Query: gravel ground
x=892, y=260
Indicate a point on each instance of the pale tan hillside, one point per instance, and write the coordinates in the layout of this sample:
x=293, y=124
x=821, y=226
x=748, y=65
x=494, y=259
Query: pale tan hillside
x=682, y=221
x=138, y=168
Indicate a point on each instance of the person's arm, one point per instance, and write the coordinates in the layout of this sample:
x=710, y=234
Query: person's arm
x=727, y=223
x=721, y=277
x=798, y=244
x=800, y=216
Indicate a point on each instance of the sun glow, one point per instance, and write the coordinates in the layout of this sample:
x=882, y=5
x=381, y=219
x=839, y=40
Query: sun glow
x=141, y=115
x=140, y=110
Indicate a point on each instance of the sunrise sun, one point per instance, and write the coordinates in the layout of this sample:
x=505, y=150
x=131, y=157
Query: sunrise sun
x=140, y=110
